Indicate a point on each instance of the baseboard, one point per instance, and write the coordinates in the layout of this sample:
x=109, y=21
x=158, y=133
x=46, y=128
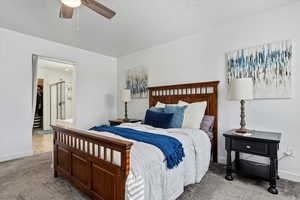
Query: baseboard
x=15, y=156
x=282, y=173
x=289, y=175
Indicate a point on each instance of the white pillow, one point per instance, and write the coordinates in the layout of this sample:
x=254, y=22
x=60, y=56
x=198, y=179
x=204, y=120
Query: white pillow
x=162, y=105
x=182, y=103
x=193, y=114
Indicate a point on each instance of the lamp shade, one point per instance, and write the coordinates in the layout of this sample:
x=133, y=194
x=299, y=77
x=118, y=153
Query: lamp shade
x=125, y=95
x=241, y=89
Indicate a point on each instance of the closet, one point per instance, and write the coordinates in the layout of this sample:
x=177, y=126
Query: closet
x=38, y=117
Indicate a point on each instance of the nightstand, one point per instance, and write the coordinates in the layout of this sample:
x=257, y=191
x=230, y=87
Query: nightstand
x=120, y=121
x=259, y=143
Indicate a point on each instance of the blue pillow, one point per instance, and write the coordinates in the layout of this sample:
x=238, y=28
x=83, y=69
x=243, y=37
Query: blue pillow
x=178, y=112
x=157, y=109
x=158, y=119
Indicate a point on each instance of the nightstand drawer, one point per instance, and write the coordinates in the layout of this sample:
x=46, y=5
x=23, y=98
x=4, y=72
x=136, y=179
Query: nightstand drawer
x=249, y=146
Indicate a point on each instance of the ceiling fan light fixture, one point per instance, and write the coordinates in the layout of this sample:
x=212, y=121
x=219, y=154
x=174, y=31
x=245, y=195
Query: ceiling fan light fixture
x=72, y=3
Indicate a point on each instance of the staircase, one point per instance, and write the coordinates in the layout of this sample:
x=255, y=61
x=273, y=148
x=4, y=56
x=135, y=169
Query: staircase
x=38, y=121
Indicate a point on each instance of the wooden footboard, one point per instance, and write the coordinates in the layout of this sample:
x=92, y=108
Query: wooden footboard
x=96, y=165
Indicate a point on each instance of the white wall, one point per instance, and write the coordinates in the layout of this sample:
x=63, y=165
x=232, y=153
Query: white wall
x=96, y=85
x=202, y=58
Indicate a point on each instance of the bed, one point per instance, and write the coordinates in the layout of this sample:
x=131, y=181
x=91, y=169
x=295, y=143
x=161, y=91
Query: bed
x=105, y=166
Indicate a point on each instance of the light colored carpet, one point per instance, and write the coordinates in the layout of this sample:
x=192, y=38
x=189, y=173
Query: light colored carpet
x=42, y=143
x=31, y=179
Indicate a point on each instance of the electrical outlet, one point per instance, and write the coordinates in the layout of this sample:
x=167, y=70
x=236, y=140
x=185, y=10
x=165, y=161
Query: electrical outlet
x=289, y=152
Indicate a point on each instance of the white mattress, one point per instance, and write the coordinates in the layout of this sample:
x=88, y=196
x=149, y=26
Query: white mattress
x=149, y=177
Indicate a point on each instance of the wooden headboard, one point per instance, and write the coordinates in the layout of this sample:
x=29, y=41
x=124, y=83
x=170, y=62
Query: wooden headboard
x=192, y=92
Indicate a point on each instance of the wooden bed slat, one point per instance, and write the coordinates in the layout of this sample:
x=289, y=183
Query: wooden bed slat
x=105, y=154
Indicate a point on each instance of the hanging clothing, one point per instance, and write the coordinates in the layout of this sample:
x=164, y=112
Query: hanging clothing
x=39, y=101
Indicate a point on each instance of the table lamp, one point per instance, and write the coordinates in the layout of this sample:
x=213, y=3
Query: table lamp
x=242, y=90
x=126, y=97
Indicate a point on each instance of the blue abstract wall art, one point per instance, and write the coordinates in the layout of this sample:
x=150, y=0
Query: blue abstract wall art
x=137, y=82
x=269, y=65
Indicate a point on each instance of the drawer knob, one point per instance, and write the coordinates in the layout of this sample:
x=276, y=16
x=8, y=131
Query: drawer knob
x=248, y=147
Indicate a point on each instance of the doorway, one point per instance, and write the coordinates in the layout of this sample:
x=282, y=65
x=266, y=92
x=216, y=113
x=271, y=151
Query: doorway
x=38, y=116
x=54, y=101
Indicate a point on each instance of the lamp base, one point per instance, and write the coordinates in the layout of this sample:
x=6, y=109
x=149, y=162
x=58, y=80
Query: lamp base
x=126, y=115
x=243, y=132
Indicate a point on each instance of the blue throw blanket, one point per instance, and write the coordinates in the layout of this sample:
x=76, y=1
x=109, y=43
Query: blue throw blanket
x=171, y=147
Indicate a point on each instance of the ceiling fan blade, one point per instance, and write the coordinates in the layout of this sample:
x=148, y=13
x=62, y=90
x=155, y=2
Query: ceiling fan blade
x=99, y=8
x=66, y=12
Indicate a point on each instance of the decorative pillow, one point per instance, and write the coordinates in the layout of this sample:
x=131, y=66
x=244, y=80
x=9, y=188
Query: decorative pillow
x=182, y=103
x=160, y=105
x=210, y=135
x=157, y=109
x=178, y=112
x=158, y=119
x=193, y=114
x=207, y=123
x=163, y=105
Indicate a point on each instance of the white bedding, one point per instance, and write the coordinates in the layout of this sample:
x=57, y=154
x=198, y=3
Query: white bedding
x=149, y=177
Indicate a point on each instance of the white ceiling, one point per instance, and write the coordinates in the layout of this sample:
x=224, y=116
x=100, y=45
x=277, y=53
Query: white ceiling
x=138, y=24
x=50, y=64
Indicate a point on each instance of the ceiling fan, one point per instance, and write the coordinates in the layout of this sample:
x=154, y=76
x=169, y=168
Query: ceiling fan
x=68, y=6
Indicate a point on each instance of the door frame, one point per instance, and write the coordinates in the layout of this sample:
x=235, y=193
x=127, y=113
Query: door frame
x=74, y=78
